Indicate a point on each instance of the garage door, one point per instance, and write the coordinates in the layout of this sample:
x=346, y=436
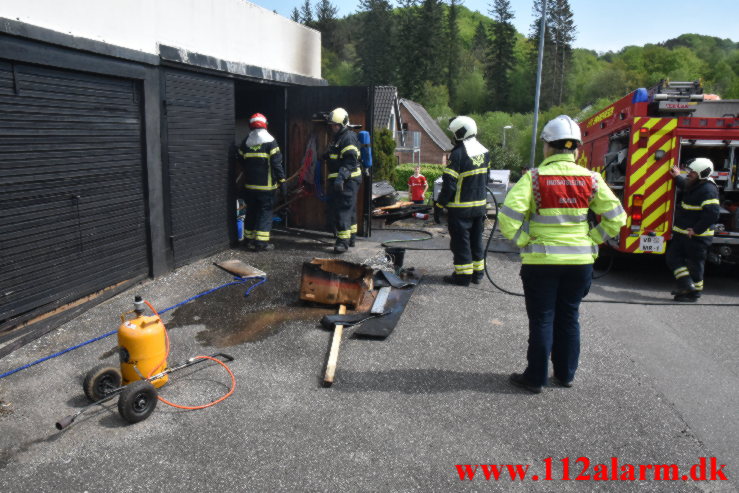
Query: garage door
x=199, y=116
x=72, y=205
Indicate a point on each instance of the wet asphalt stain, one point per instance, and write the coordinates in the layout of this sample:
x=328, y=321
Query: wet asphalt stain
x=231, y=319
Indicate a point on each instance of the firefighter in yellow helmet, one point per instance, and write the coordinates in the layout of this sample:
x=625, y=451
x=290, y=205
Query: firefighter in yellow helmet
x=344, y=178
x=692, y=232
x=546, y=215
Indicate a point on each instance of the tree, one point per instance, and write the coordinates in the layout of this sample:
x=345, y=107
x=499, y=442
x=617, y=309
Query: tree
x=428, y=44
x=376, y=60
x=385, y=160
x=480, y=42
x=500, y=57
x=558, y=37
x=306, y=13
x=453, y=50
x=326, y=23
x=563, y=34
x=408, y=82
x=295, y=16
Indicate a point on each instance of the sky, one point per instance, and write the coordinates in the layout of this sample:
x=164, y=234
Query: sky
x=602, y=25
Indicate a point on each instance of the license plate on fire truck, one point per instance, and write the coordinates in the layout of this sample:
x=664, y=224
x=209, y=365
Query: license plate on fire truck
x=653, y=244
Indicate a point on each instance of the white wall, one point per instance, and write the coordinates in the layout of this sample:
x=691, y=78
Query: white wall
x=232, y=30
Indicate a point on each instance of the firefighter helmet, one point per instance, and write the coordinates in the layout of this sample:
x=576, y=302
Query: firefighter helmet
x=564, y=131
x=463, y=127
x=339, y=116
x=703, y=166
x=258, y=120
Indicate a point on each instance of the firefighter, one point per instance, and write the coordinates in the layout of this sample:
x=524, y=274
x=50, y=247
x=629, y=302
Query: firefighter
x=344, y=178
x=696, y=213
x=546, y=215
x=463, y=195
x=263, y=174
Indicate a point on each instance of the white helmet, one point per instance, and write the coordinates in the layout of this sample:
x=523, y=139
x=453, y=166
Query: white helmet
x=463, y=127
x=339, y=116
x=562, y=128
x=703, y=166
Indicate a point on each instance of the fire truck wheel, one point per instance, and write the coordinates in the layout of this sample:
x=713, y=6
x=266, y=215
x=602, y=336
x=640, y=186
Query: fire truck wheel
x=100, y=381
x=137, y=401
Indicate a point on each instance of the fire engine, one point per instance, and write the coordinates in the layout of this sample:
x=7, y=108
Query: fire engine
x=635, y=141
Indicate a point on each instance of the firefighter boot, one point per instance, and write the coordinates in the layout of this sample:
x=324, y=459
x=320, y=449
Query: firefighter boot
x=353, y=240
x=685, y=291
x=477, y=277
x=341, y=246
x=458, y=279
x=263, y=246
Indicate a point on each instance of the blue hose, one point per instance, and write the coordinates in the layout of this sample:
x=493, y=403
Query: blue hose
x=239, y=280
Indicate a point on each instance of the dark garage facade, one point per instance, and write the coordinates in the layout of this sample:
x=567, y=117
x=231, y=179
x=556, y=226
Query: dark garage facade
x=114, y=164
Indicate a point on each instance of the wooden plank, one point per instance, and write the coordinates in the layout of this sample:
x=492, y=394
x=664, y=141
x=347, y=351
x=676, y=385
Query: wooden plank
x=333, y=357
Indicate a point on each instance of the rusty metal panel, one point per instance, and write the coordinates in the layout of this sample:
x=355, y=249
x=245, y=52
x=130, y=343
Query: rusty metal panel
x=302, y=103
x=335, y=282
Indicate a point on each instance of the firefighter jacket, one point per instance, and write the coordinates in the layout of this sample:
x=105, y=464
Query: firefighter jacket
x=546, y=213
x=463, y=182
x=343, y=157
x=262, y=165
x=697, y=207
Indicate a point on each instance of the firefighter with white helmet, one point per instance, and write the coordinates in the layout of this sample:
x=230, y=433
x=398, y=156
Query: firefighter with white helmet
x=463, y=195
x=546, y=215
x=344, y=179
x=695, y=215
x=261, y=162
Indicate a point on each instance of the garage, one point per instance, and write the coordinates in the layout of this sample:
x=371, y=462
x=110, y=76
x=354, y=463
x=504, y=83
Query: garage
x=73, y=216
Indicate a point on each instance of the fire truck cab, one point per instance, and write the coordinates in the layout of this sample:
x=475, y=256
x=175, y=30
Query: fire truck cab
x=635, y=141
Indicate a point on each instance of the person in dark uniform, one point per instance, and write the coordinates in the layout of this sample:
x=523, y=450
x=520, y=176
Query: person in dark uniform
x=463, y=195
x=696, y=212
x=261, y=162
x=344, y=179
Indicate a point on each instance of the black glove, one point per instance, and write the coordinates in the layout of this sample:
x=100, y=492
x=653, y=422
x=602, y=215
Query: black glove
x=437, y=213
x=283, y=189
x=338, y=186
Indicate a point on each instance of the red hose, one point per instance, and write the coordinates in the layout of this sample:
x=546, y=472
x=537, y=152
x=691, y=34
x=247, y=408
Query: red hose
x=164, y=361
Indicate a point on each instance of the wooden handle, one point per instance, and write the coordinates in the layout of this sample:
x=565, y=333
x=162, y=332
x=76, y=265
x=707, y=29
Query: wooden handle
x=333, y=356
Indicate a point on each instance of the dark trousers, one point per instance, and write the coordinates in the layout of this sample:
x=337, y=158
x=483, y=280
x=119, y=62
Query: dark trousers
x=342, y=209
x=258, y=221
x=688, y=252
x=466, y=243
x=553, y=294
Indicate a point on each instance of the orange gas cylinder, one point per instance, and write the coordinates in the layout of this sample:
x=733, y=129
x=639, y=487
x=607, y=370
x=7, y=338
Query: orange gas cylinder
x=142, y=343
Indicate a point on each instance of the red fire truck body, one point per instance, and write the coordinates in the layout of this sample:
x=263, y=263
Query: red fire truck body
x=635, y=141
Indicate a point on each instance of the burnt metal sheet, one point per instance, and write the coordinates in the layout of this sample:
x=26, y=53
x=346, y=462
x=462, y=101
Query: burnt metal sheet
x=383, y=326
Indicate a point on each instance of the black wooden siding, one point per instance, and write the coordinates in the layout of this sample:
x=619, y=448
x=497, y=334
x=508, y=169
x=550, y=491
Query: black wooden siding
x=72, y=203
x=199, y=119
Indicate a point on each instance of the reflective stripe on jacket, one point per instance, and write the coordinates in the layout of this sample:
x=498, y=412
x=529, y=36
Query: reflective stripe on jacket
x=546, y=213
x=343, y=157
x=463, y=183
x=697, y=207
x=263, y=169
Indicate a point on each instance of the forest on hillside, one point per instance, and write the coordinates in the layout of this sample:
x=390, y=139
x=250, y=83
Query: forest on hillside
x=456, y=61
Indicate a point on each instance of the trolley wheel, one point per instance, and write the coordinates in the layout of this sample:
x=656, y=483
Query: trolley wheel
x=101, y=381
x=137, y=401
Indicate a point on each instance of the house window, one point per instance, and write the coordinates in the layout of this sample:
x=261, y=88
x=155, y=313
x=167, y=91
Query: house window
x=392, y=124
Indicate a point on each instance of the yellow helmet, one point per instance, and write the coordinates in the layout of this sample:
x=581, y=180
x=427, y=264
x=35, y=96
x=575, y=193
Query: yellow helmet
x=339, y=116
